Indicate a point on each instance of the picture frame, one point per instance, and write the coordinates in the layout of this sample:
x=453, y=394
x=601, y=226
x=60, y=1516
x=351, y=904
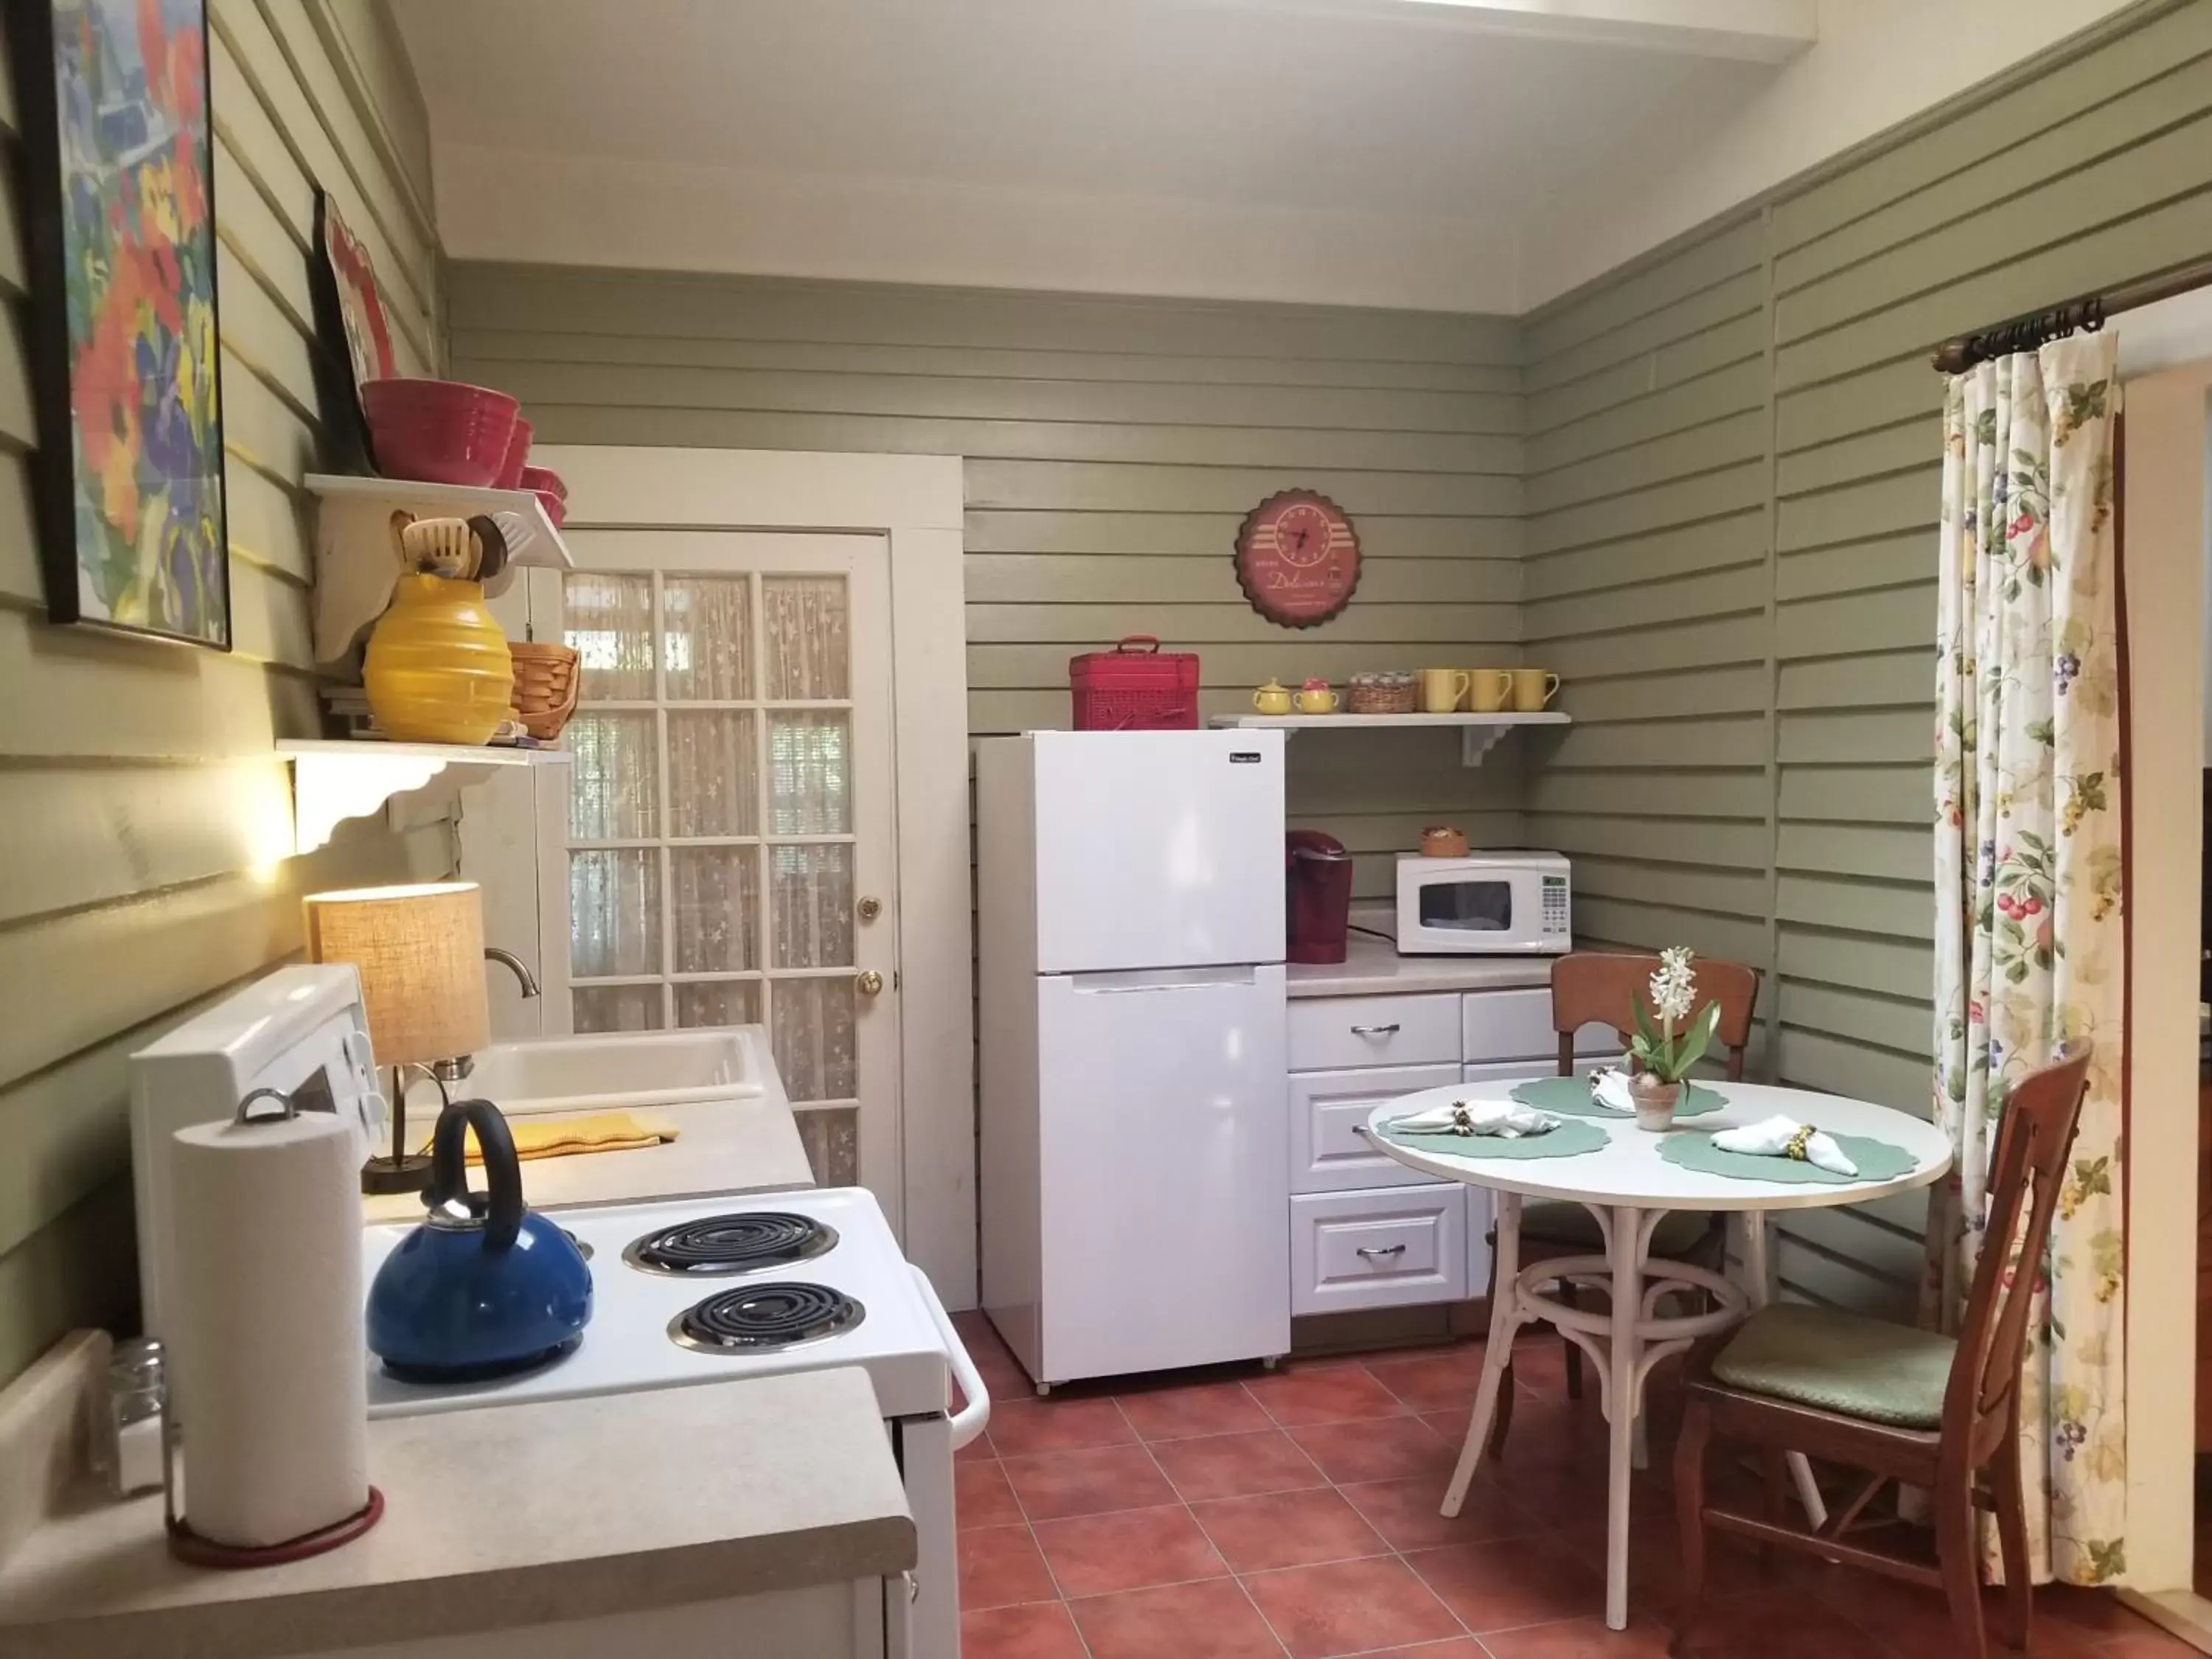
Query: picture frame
x=353, y=334
x=117, y=189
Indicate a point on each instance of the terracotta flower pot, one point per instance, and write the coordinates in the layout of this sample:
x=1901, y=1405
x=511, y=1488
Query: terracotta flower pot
x=1655, y=1102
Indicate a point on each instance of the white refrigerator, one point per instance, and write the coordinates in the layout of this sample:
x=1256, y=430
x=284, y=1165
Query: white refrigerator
x=1135, y=1140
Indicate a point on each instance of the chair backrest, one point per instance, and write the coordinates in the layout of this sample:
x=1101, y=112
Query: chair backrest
x=1604, y=988
x=2035, y=1133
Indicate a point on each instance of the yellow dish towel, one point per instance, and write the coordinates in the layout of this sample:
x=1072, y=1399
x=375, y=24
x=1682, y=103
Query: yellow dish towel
x=567, y=1137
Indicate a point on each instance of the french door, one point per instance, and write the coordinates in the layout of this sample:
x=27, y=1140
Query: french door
x=719, y=851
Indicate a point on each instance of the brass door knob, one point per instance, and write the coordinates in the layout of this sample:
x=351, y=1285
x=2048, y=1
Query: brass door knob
x=869, y=983
x=870, y=908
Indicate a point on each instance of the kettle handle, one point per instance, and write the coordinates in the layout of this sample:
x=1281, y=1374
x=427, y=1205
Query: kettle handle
x=449, y=1167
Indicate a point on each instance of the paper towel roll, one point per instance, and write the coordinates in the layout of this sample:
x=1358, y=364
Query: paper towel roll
x=269, y=1370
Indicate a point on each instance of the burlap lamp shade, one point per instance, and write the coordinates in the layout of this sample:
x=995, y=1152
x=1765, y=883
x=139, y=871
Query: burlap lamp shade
x=421, y=954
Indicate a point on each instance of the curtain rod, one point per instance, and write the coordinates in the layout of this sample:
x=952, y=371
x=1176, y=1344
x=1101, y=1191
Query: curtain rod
x=2088, y=312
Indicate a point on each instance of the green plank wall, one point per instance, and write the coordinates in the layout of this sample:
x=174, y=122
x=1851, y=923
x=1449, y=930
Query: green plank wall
x=1112, y=447
x=1734, y=467
x=144, y=811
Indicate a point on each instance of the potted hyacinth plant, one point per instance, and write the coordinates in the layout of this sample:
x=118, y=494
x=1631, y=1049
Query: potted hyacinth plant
x=1659, y=1059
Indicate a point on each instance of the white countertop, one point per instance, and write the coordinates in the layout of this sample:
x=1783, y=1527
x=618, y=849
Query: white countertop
x=746, y=1143
x=508, y=1516
x=1372, y=967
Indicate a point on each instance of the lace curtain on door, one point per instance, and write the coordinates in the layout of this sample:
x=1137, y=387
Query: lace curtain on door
x=757, y=807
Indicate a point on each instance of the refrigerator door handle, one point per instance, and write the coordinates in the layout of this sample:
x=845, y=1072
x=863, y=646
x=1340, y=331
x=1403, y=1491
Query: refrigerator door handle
x=1159, y=978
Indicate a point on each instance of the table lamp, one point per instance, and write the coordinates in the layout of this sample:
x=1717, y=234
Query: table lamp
x=420, y=953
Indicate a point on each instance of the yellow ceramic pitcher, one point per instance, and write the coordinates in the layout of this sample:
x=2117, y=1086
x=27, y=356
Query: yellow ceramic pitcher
x=438, y=669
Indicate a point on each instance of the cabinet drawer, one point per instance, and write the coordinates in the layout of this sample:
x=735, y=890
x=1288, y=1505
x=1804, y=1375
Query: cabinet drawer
x=1517, y=1025
x=1379, y=1249
x=1331, y=1034
x=1327, y=1153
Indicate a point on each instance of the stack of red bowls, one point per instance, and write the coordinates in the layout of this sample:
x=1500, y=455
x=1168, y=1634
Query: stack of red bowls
x=439, y=431
x=550, y=490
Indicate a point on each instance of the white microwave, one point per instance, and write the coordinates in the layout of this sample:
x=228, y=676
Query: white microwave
x=1500, y=904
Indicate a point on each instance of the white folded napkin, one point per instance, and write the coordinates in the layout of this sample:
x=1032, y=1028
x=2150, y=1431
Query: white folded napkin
x=1609, y=1087
x=1777, y=1136
x=1504, y=1118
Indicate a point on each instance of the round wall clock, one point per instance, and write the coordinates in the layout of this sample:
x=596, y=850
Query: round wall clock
x=1298, y=559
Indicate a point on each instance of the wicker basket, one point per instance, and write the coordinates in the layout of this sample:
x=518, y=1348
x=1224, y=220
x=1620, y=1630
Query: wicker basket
x=1382, y=694
x=545, y=681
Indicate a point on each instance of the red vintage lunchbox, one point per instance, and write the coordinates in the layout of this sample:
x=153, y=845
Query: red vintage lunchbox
x=1135, y=687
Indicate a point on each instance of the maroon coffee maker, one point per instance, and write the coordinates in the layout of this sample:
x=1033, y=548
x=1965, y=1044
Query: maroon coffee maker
x=1318, y=872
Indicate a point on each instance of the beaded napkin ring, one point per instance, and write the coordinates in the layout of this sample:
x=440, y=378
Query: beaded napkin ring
x=1795, y=1149
x=1462, y=1119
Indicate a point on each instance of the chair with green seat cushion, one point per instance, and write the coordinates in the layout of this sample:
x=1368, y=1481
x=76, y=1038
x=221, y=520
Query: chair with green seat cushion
x=1599, y=987
x=1870, y=1369
x=1936, y=1413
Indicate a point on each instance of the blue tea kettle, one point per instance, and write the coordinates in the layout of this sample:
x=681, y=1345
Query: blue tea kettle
x=483, y=1288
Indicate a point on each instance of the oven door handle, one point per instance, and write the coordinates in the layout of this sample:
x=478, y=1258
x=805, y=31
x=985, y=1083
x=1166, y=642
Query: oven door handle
x=967, y=1422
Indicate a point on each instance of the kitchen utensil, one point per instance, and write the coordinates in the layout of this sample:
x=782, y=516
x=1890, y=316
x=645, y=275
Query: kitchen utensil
x=1442, y=689
x=484, y=1287
x=1382, y=694
x=1489, y=689
x=268, y=1386
x=1135, y=687
x=546, y=679
x=1315, y=697
x=439, y=431
x=1532, y=688
x=1318, y=901
x=1272, y=698
x=1442, y=841
x=518, y=451
x=438, y=668
x=440, y=547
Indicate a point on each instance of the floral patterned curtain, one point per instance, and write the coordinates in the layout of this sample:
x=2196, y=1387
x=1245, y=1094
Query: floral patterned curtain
x=2029, y=952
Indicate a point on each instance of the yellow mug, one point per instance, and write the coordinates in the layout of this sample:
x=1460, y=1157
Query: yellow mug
x=1532, y=688
x=1442, y=688
x=1490, y=689
x=1272, y=698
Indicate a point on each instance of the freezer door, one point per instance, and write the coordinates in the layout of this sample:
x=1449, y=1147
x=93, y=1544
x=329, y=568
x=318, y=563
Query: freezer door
x=1158, y=849
x=1164, y=1171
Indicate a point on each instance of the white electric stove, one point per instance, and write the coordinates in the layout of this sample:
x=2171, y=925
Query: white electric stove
x=717, y=1289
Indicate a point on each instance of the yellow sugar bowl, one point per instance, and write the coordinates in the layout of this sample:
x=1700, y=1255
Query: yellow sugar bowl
x=438, y=669
x=1272, y=698
x=1315, y=697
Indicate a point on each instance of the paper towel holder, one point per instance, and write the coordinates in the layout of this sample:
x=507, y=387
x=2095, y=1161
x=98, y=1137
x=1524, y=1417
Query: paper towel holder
x=189, y=1547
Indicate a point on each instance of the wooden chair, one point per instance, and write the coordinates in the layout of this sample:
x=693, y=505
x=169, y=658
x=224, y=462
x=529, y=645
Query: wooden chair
x=1936, y=1412
x=1594, y=987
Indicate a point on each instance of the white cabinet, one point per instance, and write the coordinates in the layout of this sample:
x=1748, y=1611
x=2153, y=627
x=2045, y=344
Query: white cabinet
x=1328, y=1109
x=1383, y=1248
x=1367, y=1231
x=1336, y=1033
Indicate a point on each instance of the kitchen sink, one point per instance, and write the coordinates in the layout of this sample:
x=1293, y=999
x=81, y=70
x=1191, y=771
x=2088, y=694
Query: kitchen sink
x=608, y=1071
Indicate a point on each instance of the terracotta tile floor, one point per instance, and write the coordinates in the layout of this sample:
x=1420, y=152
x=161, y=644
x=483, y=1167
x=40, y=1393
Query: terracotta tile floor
x=1223, y=1515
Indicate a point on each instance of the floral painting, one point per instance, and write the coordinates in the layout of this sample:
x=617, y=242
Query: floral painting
x=121, y=224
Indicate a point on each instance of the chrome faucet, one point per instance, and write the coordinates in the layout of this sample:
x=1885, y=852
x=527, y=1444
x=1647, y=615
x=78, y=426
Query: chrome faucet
x=458, y=1068
x=523, y=976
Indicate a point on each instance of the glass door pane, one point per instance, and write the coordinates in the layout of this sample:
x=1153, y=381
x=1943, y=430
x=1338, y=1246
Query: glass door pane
x=712, y=851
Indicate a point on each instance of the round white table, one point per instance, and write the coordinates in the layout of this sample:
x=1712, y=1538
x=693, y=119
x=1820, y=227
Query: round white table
x=1628, y=1187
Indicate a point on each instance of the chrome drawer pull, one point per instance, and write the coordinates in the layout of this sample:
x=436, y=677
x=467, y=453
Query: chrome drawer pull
x=1391, y=1029
x=1370, y=1251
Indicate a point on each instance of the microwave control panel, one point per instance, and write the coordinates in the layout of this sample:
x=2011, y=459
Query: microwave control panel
x=1555, y=905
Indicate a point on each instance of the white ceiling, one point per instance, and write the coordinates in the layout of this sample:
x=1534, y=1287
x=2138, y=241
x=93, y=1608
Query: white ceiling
x=1372, y=151
x=1228, y=104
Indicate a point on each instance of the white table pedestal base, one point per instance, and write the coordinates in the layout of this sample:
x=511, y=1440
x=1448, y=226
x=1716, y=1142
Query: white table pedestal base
x=1623, y=1343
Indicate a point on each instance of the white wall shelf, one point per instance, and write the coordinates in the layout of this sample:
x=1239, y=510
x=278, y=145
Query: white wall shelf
x=1479, y=734
x=334, y=779
x=358, y=560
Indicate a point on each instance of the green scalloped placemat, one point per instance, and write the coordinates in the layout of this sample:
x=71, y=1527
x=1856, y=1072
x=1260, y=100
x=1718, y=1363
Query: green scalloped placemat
x=1878, y=1160
x=1571, y=1095
x=1570, y=1139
